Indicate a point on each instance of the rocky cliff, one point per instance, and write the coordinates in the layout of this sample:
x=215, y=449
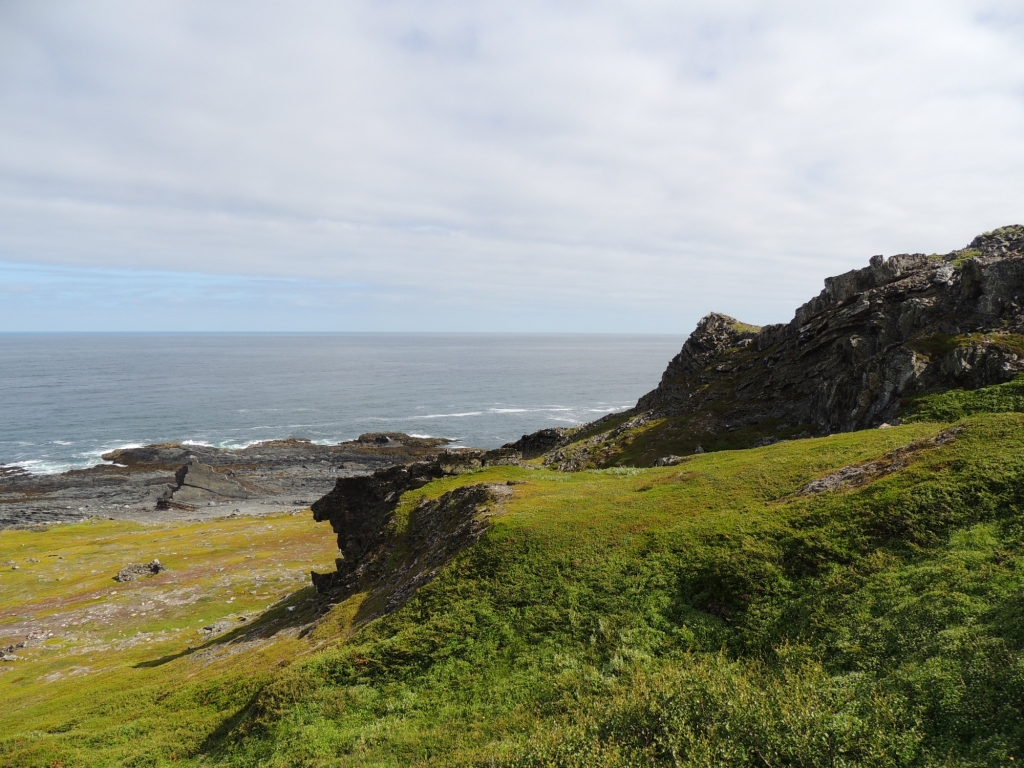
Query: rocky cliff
x=904, y=326
x=850, y=359
x=361, y=511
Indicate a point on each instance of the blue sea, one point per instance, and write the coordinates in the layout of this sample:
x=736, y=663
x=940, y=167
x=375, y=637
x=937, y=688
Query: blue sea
x=65, y=399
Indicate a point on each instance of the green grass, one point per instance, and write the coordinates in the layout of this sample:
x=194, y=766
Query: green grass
x=705, y=614
x=938, y=345
x=962, y=257
x=129, y=677
x=745, y=327
x=957, y=404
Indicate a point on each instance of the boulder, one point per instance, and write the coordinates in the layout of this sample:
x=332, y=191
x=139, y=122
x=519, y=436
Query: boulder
x=137, y=570
x=201, y=477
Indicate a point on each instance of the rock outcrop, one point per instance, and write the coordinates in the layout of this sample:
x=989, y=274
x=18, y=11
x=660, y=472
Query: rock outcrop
x=146, y=482
x=901, y=327
x=361, y=512
x=138, y=570
x=197, y=483
x=538, y=443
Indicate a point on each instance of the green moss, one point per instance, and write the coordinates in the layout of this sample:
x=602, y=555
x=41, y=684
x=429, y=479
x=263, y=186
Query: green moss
x=745, y=327
x=615, y=618
x=958, y=404
x=962, y=257
x=936, y=346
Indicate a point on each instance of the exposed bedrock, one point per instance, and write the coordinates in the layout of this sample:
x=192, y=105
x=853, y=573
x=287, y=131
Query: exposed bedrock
x=181, y=480
x=538, y=443
x=198, y=483
x=901, y=326
x=908, y=325
x=361, y=511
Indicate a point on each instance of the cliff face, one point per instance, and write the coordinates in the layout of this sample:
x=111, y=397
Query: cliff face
x=904, y=326
x=361, y=511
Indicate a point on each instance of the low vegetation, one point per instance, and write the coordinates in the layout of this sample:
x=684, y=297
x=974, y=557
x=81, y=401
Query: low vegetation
x=717, y=612
x=958, y=404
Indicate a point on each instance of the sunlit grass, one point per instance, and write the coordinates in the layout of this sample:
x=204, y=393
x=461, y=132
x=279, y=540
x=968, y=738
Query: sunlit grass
x=701, y=614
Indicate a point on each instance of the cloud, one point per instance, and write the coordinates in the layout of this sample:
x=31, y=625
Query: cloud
x=561, y=166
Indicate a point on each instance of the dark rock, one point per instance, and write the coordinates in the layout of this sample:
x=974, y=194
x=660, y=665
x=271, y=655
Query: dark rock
x=359, y=509
x=141, y=484
x=901, y=327
x=538, y=443
x=898, y=327
x=135, y=571
x=397, y=563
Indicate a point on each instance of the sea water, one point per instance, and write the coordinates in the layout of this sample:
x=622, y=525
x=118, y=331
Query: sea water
x=65, y=399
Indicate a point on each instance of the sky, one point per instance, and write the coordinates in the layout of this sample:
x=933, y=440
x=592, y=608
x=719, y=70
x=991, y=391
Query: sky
x=403, y=165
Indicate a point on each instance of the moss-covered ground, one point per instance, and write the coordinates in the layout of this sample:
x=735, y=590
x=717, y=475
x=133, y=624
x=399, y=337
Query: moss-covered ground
x=705, y=614
x=140, y=672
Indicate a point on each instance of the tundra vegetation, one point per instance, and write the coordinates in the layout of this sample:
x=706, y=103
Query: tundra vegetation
x=853, y=599
x=708, y=579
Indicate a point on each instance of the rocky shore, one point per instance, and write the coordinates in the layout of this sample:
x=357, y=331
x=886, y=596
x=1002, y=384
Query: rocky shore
x=173, y=481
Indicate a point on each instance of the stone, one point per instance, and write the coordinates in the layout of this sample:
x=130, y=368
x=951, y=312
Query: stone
x=669, y=461
x=196, y=477
x=135, y=571
x=538, y=443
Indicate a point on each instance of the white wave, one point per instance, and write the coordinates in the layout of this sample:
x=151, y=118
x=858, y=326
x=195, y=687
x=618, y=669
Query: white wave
x=202, y=443
x=446, y=415
x=231, y=445
x=44, y=467
x=423, y=437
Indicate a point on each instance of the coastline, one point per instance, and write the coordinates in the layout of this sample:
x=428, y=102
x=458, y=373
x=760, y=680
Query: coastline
x=144, y=484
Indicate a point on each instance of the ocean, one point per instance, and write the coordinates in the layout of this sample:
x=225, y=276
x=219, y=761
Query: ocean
x=65, y=399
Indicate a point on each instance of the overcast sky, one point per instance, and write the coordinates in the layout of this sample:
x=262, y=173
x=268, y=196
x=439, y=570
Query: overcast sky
x=562, y=166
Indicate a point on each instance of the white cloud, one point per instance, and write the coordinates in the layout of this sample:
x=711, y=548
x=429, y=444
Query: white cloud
x=583, y=165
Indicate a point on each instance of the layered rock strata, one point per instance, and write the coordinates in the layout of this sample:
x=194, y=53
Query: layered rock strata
x=361, y=511
x=851, y=357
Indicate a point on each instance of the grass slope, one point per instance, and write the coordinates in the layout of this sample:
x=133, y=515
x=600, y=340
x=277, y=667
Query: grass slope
x=703, y=614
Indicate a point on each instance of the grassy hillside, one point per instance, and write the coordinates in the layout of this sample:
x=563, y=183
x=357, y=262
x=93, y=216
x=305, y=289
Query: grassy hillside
x=718, y=612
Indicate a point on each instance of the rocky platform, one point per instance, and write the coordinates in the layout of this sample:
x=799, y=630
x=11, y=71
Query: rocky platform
x=173, y=481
